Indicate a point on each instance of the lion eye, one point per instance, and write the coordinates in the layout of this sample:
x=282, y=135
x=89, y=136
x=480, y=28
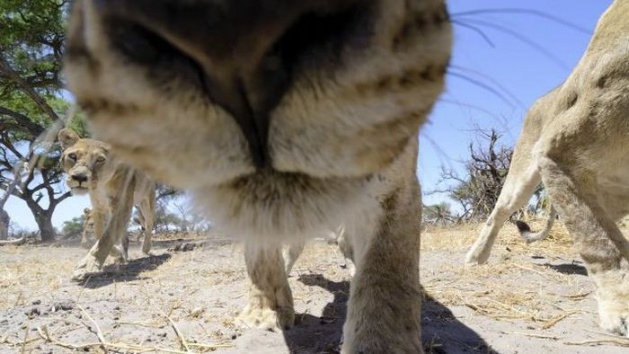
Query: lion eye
x=100, y=160
x=72, y=157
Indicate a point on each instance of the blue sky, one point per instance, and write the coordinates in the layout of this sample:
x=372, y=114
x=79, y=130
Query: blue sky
x=521, y=71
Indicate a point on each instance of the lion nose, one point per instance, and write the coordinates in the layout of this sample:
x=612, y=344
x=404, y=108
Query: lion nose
x=245, y=50
x=79, y=178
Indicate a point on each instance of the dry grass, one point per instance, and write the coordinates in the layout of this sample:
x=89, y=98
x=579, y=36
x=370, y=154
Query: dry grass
x=461, y=237
x=511, y=287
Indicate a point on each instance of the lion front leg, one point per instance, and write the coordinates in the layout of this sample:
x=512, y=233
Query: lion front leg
x=385, y=298
x=599, y=241
x=270, y=303
x=112, y=239
x=88, y=265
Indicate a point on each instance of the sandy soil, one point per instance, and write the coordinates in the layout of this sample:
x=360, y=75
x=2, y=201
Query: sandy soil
x=529, y=299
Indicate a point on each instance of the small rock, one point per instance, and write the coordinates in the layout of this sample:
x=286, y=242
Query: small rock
x=33, y=312
x=62, y=306
x=197, y=312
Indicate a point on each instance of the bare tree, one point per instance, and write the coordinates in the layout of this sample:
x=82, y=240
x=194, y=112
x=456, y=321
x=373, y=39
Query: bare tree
x=485, y=171
x=437, y=214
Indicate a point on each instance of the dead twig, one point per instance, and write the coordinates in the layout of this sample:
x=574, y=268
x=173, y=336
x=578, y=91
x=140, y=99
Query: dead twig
x=553, y=321
x=182, y=339
x=23, y=346
x=535, y=335
x=99, y=333
x=622, y=342
x=578, y=297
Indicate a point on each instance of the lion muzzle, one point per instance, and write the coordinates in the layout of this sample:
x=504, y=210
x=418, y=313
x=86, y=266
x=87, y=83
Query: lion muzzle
x=243, y=51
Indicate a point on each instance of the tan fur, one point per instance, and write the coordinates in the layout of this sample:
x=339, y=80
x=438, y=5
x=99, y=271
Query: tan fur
x=91, y=168
x=341, y=144
x=576, y=141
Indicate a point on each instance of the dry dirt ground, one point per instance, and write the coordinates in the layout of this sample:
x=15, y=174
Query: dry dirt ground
x=529, y=299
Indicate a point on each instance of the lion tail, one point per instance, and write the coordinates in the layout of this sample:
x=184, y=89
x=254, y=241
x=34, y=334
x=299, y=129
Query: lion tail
x=529, y=236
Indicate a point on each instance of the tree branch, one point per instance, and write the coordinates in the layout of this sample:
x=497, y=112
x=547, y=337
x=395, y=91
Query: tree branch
x=23, y=121
x=29, y=91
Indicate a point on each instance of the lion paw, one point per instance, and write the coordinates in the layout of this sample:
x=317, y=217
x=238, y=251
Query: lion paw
x=613, y=300
x=87, y=267
x=146, y=247
x=267, y=318
x=615, y=319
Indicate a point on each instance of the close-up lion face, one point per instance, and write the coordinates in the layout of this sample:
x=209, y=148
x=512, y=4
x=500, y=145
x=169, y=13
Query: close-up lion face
x=85, y=161
x=259, y=104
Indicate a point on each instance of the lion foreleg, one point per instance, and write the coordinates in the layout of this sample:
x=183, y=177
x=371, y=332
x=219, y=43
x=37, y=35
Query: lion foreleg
x=385, y=296
x=112, y=236
x=270, y=303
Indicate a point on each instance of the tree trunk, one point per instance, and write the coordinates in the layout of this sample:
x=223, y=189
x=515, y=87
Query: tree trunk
x=47, y=231
x=4, y=224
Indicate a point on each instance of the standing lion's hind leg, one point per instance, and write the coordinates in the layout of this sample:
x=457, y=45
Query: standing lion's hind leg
x=291, y=253
x=598, y=239
x=345, y=246
x=146, y=209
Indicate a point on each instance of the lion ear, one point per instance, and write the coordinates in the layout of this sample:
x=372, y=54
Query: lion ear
x=67, y=137
x=86, y=211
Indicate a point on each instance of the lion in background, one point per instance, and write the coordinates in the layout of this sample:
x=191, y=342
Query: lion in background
x=88, y=236
x=575, y=140
x=92, y=169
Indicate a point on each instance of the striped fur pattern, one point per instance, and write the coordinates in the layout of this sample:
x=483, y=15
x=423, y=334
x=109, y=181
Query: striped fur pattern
x=283, y=119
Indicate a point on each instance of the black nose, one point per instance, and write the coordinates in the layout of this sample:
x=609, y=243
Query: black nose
x=245, y=50
x=80, y=178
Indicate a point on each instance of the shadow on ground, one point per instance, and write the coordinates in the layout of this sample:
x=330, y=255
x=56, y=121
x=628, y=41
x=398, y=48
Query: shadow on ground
x=441, y=331
x=568, y=268
x=128, y=272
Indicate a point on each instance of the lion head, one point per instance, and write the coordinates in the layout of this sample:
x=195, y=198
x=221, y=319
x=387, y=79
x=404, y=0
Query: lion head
x=87, y=162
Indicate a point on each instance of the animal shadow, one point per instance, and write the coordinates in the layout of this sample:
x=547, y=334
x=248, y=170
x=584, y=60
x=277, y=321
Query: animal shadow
x=128, y=272
x=441, y=331
x=312, y=334
x=568, y=268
